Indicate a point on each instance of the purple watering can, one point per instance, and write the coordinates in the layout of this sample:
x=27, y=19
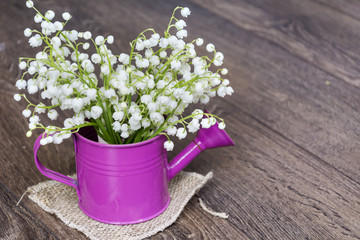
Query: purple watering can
x=127, y=184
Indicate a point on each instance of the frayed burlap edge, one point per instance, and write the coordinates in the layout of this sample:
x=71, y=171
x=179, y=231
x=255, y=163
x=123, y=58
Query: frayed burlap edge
x=182, y=188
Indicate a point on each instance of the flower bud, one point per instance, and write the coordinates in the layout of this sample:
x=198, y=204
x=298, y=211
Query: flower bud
x=43, y=141
x=28, y=133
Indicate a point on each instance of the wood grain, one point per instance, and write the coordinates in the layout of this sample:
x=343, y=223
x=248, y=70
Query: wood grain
x=17, y=222
x=349, y=7
x=301, y=192
x=291, y=96
x=319, y=35
x=295, y=173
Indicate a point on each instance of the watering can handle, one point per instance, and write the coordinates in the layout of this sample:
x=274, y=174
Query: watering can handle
x=49, y=173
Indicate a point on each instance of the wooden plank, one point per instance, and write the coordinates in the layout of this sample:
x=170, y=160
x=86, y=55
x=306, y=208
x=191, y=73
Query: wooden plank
x=320, y=35
x=288, y=95
x=349, y=7
x=194, y=223
x=17, y=222
x=274, y=189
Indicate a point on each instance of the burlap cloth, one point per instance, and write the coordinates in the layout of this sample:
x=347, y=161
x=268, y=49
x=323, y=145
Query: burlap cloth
x=58, y=198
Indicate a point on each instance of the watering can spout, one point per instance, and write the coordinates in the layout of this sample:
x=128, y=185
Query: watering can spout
x=206, y=138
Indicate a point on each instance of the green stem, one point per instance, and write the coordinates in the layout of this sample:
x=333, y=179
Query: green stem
x=105, y=135
x=139, y=135
x=131, y=138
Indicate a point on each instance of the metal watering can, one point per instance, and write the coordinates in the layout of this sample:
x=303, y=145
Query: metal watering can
x=127, y=184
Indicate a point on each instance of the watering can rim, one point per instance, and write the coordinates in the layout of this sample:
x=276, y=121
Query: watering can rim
x=128, y=145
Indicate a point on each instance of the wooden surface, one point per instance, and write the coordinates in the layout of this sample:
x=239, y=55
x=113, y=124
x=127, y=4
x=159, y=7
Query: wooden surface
x=295, y=68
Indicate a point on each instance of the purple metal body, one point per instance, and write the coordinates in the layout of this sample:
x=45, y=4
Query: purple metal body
x=127, y=184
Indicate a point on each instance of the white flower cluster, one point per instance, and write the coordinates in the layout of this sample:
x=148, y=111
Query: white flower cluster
x=136, y=96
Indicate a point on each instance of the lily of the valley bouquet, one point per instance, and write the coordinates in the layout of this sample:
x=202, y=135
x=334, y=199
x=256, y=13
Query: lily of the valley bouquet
x=127, y=97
